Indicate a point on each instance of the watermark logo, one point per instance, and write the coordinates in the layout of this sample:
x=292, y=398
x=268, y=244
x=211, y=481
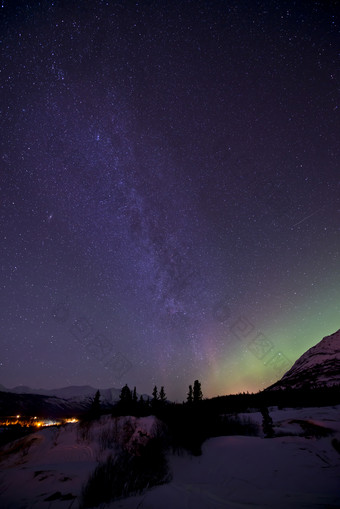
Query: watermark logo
x=97, y=344
x=242, y=328
x=279, y=362
x=260, y=345
x=61, y=312
x=221, y=312
x=257, y=343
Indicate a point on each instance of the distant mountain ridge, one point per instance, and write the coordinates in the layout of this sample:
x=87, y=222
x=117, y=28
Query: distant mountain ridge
x=39, y=405
x=53, y=402
x=318, y=366
x=72, y=392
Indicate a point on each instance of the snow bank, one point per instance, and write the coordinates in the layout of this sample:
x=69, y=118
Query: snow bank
x=233, y=472
x=61, y=459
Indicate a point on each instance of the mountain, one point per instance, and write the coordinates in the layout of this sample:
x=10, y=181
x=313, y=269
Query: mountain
x=318, y=366
x=75, y=393
x=63, y=402
x=36, y=404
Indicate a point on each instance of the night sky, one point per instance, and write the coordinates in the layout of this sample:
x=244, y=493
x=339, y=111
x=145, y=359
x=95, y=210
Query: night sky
x=169, y=191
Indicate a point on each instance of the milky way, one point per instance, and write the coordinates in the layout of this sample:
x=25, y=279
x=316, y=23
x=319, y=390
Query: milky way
x=169, y=191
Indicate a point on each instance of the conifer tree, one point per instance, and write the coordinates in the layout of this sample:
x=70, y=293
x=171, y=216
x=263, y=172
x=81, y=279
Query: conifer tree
x=197, y=392
x=267, y=423
x=94, y=412
x=155, y=394
x=162, y=396
x=190, y=397
x=125, y=394
x=155, y=397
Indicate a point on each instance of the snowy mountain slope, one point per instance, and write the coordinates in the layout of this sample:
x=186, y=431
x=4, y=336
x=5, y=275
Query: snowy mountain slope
x=320, y=365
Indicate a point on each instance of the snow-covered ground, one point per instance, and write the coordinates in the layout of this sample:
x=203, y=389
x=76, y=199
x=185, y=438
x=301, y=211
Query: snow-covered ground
x=61, y=460
x=327, y=417
x=288, y=471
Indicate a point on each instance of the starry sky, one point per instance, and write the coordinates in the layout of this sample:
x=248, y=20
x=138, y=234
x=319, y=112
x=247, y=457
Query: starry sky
x=169, y=191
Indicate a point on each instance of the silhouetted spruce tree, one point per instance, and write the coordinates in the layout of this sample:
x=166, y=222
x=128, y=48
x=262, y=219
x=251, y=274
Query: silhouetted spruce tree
x=94, y=410
x=134, y=396
x=125, y=405
x=155, y=398
x=142, y=405
x=125, y=394
x=267, y=423
x=197, y=392
x=162, y=396
x=190, y=397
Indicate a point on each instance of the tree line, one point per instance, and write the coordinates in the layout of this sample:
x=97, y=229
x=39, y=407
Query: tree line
x=129, y=401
